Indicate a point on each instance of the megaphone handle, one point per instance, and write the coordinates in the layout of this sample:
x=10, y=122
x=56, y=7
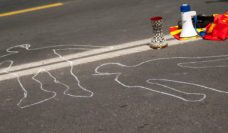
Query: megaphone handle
x=195, y=23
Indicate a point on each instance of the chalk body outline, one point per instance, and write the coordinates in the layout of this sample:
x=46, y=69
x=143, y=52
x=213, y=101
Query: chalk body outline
x=53, y=49
x=152, y=81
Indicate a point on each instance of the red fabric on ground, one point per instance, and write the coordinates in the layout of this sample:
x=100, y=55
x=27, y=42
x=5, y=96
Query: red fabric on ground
x=218, y=30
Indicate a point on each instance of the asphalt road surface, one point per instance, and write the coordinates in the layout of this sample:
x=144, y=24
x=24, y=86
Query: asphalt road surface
x=66, y=69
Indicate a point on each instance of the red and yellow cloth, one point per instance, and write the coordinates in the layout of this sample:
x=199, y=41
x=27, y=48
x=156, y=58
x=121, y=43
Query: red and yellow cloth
x=218, y=30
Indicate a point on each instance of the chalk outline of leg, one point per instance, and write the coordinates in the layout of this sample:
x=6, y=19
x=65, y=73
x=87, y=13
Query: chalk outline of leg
x=41, y=88
x=183, y=65
x=75, y=77
x=25, y=93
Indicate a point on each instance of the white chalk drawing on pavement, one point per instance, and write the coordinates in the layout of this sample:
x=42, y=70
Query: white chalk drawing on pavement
x=16, y=51
x=155, y=84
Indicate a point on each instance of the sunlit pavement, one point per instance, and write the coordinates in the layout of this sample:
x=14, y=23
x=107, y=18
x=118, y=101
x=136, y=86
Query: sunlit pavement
x=179, y=89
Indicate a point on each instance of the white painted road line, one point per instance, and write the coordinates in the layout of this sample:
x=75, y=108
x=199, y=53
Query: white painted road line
x=85, y=57
x=82, y=54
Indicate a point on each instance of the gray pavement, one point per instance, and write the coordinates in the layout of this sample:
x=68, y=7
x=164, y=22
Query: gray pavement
x=127, y=104
x=179, y=89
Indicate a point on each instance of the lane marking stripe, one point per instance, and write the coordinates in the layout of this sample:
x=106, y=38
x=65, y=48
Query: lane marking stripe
x=24, y=70
x=30, y=9
x=93, y=52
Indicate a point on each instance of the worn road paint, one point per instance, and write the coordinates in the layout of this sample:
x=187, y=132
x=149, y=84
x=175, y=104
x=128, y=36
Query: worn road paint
x=30, y=9
x=84, y=57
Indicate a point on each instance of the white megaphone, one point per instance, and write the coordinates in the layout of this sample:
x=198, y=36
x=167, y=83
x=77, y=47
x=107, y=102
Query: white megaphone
x=188, y=29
